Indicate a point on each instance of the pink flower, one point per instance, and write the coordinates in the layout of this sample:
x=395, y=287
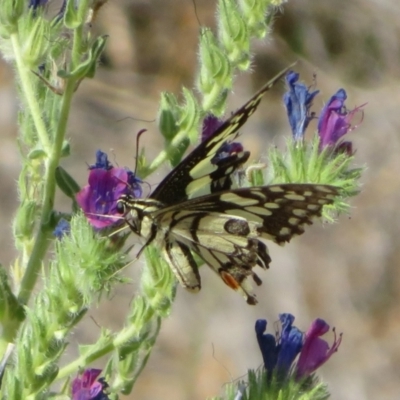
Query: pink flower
x=87, y=387
x=315, y=351
x=335, y=121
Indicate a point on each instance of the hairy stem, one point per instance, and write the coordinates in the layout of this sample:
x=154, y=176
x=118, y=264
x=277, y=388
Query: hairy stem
x=42, y=240
x=25, y=76
x=121, y=338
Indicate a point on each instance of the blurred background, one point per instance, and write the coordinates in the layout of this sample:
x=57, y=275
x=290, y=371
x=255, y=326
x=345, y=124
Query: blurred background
x=347, y=273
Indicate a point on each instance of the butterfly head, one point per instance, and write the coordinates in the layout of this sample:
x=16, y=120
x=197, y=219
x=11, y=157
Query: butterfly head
x=126, y=208
x=138, y=213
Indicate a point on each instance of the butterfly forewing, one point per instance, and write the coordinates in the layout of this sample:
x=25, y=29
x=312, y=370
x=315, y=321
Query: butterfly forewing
x=197, y=174
x=280, y=210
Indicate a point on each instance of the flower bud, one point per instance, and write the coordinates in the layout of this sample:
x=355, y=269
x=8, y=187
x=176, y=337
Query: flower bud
x=189, y=116
x=233, y=34
x=75, y=14
x=168, y=116
x=10, y=13
x=215, y=73
x=24, y=221
x=254, y=14
x=36, y=41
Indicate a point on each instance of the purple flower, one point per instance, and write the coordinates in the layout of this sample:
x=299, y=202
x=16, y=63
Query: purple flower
x=280, y=351
x=290, y=344
x=98, y=199
x=335, y=121
x=101, y=161
x=315, y=351
x=210, y=124
x=298, y=101
x=63, y=227
x=226, y=150
x=87, y=387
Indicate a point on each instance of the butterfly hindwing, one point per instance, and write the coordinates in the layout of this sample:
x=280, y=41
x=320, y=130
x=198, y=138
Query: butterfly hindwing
x=229, y=245
x=182, y=263
x=197, y=174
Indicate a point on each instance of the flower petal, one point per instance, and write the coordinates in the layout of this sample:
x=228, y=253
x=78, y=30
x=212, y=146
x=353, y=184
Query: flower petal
x=267, y=345
x=335, y=120
x=291, y=342
x=298, y=101
x=315, y=350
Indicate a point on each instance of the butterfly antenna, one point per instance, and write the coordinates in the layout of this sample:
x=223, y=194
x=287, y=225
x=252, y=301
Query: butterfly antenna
x=125, y=266
x=195, y=12
x=220, y=363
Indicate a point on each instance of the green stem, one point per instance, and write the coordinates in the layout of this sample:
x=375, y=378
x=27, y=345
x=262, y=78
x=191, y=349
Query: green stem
x=78, y=35
x=76, y=49
x=163, y=155
x=123, y=337
x=25, y=76
x=42, y=240
x=143, y=364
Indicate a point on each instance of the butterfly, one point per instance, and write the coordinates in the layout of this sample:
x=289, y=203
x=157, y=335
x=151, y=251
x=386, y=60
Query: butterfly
x=196, y=210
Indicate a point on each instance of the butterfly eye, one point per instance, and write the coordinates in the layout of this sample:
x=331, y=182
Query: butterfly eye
x=120, y=208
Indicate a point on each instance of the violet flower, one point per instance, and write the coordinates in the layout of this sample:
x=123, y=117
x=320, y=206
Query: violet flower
x=335, y=121
x=62, y=228
x=267, y=344
x=290, y=344
x=87, y=387
x=210, y=124
x=298, y=101
x=106, y=184
x=315, y=351
x=34, y=4
x=279, y=353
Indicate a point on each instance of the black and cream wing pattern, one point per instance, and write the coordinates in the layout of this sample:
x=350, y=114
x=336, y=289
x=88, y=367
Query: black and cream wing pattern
x=195, y=210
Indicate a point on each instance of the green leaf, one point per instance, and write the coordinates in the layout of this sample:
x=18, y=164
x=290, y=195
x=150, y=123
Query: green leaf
x=168, y=116
x=66, y=183
x=189, y=119
x=11, y=311
x=37, y=154
x=66, y=149
x=72, y=18
x=10, y=12
x=87, y=68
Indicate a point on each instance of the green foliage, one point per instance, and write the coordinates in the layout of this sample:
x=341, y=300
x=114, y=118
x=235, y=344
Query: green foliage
x=174, y=119
x=258, y=387
x=66, y=183
x=304, y=162
x=10, y=12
